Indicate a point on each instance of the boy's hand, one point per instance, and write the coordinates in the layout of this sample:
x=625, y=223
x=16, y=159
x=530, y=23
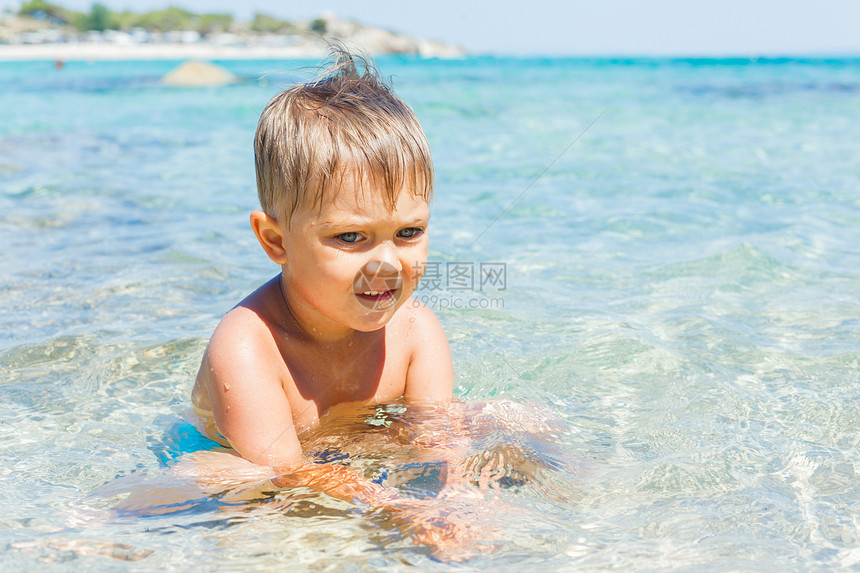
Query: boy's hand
x=444, y=525
x=341, y=482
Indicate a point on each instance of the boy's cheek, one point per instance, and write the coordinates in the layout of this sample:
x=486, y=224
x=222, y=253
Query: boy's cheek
x=418, y=267
x=418, y=271
x=415, y=280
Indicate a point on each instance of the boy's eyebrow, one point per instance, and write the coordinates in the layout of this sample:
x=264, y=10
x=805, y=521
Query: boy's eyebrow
x=359, y=221
x=343, y=221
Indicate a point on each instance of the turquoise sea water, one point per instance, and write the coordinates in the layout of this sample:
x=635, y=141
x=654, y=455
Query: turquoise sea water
x=665, y=316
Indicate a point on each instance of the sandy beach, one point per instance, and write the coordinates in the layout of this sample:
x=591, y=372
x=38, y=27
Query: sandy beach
x=91, y=51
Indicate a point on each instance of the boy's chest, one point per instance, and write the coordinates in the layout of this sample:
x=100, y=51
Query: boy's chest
x=315, y=381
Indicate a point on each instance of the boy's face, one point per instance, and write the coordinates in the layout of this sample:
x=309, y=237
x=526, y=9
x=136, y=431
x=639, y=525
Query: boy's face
x=353, y=263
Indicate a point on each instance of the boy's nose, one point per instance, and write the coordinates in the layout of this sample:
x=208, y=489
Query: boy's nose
x=379, y=276
x=385, y=261
x=377, y=268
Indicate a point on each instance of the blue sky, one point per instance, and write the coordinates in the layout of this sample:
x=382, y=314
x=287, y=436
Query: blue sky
x=613, y=27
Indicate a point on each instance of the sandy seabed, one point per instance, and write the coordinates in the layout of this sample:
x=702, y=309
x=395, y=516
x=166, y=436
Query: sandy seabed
x=163, y=51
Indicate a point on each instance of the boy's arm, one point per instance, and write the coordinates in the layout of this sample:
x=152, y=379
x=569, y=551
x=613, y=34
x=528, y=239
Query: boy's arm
x=430, y=378
x=430, y=382
x=245, y=391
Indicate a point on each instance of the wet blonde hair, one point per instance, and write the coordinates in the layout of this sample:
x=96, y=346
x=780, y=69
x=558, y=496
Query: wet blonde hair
x=348, y=123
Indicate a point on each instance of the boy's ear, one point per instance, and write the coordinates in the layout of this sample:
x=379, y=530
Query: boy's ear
x=269, y=234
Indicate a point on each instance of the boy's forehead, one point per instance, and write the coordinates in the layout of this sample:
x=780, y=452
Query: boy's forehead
x=351, y=205
x=358, y=191
x=368, y=202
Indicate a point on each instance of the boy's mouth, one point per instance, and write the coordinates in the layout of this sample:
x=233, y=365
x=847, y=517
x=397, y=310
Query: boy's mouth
x=377, y=300
x=377, y=286
x=376, y=295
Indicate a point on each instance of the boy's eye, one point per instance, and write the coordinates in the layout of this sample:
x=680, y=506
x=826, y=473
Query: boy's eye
x=349, y=237
x=409, y=232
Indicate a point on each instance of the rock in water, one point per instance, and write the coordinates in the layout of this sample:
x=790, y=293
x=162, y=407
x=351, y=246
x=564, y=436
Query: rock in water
x=197, y=74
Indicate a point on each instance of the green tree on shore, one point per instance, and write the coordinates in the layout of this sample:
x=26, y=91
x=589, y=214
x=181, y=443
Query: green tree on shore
x=100, y=18
x=319, y=25
x=42, y=10
x=268, y=24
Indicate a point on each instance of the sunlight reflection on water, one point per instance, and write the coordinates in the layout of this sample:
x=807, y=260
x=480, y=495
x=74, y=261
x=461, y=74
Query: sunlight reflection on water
x=673, y=380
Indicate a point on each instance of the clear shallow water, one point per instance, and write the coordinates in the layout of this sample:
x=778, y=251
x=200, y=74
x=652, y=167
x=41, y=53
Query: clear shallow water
x=682, y=301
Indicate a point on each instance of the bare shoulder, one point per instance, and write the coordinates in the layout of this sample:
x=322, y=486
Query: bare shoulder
x=241, y=347
x=246, y=330
x=415, y=320
x=430, y=375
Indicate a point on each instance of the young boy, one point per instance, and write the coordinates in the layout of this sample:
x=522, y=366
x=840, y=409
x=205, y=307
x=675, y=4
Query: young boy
x=344, y=177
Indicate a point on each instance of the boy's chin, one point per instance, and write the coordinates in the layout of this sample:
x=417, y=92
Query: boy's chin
x=369, y=329
x=374, y=319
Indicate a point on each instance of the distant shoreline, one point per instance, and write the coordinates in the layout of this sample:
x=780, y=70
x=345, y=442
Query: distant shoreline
x=29, y=39
x=104, y=51
x=92, y=51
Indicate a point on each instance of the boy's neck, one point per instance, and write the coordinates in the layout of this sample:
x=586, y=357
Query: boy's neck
x=335, y=335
